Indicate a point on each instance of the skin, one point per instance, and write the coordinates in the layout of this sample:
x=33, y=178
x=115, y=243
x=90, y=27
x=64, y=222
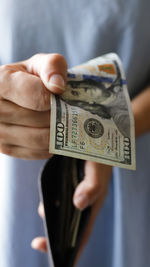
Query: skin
x=25, y=89
x=25, y=105
x=141, y=111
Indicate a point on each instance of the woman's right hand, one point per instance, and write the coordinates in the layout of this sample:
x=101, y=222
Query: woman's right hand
x=25, y=89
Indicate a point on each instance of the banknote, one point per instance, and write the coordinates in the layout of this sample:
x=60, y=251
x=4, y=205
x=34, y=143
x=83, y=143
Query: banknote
x=93, y=119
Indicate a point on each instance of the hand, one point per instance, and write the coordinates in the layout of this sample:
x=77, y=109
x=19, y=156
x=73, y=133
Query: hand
x=91, y=191
x=25, y=104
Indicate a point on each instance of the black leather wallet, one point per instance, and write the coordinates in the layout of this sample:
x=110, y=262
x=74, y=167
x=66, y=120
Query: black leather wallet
x=64, y=223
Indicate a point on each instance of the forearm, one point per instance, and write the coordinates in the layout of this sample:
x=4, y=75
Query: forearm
x=141, y=112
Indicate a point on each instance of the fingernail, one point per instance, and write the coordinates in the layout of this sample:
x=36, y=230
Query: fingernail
x=81, y=201
x=34, y=244
x=41, y=210
x=56, y=80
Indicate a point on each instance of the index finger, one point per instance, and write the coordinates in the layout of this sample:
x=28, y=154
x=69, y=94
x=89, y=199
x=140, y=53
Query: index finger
x=24, y=89
x=30, y=82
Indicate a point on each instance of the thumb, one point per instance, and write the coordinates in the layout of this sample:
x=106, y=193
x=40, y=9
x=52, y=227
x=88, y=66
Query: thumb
x=93, y=186
x=51, y=68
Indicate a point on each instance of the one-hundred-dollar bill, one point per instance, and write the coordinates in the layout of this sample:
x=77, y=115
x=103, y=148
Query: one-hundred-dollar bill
x=93, y=119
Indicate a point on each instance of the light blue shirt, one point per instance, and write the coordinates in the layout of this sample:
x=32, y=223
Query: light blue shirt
x=80, y=30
